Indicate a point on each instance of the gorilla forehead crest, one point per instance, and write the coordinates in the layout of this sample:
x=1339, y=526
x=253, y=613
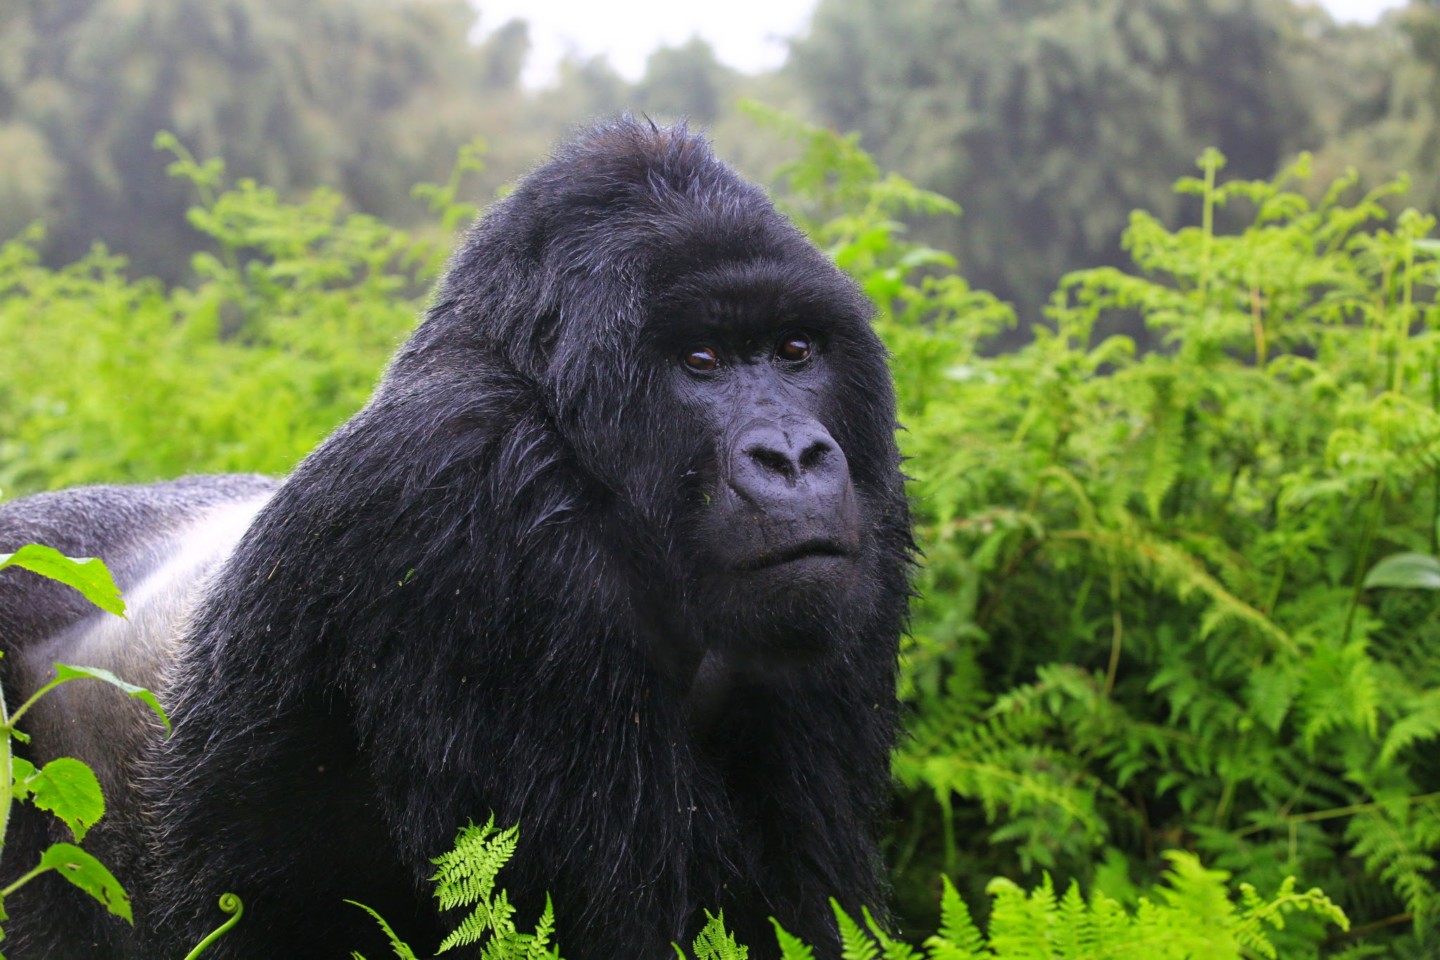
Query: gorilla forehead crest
x=604, y=237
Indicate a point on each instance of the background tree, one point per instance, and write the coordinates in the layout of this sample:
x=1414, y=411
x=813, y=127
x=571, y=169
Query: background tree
x=1050, y=120
x=685, y=81
x=365, y=95
x=1390, y=81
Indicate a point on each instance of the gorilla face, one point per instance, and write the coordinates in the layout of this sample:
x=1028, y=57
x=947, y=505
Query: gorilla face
x=774, y=521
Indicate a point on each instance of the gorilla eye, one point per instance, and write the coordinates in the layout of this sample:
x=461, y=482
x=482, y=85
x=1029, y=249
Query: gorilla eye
x=794, y=348
x=701, y=359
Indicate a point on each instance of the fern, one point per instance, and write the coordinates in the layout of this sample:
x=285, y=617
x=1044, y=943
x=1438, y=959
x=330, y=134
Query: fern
x=467, y=878
x=401, y=948
x=714, y=942
x=958, y=937
x=1192, y=917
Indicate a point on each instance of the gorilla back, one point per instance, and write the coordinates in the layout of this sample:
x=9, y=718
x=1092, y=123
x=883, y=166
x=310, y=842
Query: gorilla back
x=619, y=551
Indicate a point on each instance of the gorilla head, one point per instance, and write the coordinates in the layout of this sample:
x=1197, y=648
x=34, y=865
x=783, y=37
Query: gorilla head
x=618, y=550
x=711, y=371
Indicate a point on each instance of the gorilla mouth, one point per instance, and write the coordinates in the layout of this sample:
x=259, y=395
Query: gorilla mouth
x=805, y=550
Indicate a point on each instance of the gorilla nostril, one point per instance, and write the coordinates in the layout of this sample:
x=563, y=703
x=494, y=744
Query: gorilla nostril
x=772, y=460
x=814, y=455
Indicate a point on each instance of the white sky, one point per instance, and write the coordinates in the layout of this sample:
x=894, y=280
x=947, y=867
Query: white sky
x=747, y=34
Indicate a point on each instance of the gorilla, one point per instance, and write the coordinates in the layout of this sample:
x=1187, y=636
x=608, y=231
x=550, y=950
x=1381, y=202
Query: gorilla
x=618, y=550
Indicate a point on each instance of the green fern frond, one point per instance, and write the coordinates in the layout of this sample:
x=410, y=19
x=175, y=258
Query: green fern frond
x=1419, y=722
x=714, y=942
x=891, y=949
x=466, y=873
x=1164, y=446
x=401, y=948
x=791, y=946
x=1174, y=570
x=1019, y=924
x=1396, y=846
x=958, y=937
x=854, y=944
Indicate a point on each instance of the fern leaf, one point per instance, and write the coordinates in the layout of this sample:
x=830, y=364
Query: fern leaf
x=1166, y=446
x=714, y=942
x=1019, y=925
x=958, y=937
x=401, y=948
x=1419, y=722
x=855, y=945
x=791, y=946
x=891, y=949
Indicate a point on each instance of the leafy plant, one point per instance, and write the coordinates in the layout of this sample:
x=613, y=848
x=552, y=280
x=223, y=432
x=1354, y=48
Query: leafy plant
x=466, y=878
x=1192, y=916
x=1145, y=621
x=65, y=787
x=279, y=339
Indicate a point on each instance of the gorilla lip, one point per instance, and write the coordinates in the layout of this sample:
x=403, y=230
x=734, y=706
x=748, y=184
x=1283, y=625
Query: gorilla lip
x=805, y=550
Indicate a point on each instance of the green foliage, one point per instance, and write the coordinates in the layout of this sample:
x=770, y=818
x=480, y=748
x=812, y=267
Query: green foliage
x=1051, y=121
x=90, y=576
x=65, y=787
x=1192, y=915
x=714, y=942
x=1146, y=623
x=466, y=878
x=281, y=338
x=84, y=871
x=369, y=95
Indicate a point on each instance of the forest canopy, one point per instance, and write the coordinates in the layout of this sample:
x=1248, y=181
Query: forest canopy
x=1047, y=121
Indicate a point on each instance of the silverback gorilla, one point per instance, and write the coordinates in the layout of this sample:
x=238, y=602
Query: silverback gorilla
x=619, y=550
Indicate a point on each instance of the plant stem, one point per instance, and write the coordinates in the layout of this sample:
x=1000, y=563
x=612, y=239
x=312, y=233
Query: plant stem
x=7, y=772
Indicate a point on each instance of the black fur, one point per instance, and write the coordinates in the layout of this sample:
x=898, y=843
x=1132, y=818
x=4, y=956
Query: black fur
x=548, y=571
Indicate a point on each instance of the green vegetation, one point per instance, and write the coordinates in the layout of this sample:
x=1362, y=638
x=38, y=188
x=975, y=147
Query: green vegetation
x=1192, y=917
x=64, y=787
x=1049, y=120
x=281, y=337
x=1146, y=620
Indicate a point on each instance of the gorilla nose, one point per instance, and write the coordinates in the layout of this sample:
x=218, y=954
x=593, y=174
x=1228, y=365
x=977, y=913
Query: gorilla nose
x=787, y=462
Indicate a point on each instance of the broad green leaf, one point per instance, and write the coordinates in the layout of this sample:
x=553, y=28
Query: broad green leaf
x=1419, y=571
x=90, y=875
x=65, y=671
x=68, y=788
x=88, y=575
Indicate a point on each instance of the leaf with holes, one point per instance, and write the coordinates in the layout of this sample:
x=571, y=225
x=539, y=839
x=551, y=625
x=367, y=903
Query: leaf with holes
x=90, y=875
x=68, y=789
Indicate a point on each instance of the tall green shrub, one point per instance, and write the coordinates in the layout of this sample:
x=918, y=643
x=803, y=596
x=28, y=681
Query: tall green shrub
x=1145, y=624
x=282, y=336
